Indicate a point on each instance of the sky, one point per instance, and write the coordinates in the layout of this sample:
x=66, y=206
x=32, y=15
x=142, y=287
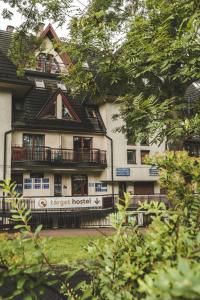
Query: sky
x=16, y=20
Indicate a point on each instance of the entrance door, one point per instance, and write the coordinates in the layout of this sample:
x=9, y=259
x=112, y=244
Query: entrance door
x=122, y=189
x=144, y=188
x=79, y=185
x=57, y=185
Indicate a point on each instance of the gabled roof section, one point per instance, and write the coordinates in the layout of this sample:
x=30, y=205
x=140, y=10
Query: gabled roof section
x=51, y=34
x=49, y=108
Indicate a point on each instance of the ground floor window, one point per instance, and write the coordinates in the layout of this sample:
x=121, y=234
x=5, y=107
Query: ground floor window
x=57, y=185
x=18, y=179
x=79, y=185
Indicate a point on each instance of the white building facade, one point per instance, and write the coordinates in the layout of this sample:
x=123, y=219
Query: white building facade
x=61, y=153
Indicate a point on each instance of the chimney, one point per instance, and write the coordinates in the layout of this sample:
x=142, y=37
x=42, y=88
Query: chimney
x=10, y=28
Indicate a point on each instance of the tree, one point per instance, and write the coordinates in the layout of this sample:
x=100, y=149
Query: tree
x=144, y=53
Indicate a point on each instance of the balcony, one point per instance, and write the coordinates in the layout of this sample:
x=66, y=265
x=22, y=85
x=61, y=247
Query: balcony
x=58, y=157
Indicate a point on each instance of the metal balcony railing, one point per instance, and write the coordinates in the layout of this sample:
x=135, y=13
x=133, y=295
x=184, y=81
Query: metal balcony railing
x=57, y=155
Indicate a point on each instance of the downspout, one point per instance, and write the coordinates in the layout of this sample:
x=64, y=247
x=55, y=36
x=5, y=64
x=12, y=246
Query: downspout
x=112, y=165
x=4, y=168
x=5, y=153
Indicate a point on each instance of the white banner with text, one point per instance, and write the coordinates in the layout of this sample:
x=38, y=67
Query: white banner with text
x=68, y=202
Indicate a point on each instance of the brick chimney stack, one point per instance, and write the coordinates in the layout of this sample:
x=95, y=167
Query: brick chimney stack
x=10, y=28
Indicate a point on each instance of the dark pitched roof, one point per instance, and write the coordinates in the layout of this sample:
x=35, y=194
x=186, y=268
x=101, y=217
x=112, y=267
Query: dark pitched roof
x=8, y=71
x=35, y=101
x=5, y=38
x=36, y=98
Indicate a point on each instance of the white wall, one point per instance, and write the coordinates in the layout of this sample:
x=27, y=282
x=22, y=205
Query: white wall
x=138, y=171
x=5, y=121
x=57, y=140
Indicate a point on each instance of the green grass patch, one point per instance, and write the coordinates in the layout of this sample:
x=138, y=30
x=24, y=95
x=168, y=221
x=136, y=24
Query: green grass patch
x=59, y=250
x=67, y=249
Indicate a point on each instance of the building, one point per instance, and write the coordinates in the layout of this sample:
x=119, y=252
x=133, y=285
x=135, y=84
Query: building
x=62, y=151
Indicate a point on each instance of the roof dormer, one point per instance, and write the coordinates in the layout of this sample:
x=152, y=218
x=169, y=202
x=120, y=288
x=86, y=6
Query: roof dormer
x=58, y=107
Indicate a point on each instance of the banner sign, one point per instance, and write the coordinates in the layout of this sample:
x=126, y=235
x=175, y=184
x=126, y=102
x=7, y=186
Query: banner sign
x=68, y=202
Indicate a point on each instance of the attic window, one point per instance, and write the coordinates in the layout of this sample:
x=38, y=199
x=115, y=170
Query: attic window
x=58, y=107
x=39, y=84
x=91, y=113
x=61, y=86
x=65, y=113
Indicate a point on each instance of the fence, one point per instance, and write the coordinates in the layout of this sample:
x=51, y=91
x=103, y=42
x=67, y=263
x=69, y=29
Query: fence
x=81, y=217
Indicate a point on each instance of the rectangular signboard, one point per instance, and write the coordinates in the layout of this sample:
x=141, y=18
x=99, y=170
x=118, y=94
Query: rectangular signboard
x=68, y=202
x=123, y=172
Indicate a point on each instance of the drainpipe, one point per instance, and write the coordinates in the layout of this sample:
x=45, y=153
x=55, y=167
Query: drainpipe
x=4, y=169
x=112, y=167
x=5, y=153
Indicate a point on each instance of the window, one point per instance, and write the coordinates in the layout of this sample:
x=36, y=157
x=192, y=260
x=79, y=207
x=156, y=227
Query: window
x=58, y=107
x=91, y=113
x=100, y=187
x=131, y=156
x=82, y=143
x=65, y=113
x=34, y=146
x=57, y=185
x=39, y=84
x=47, y=63
x=33, y=140
x=18, y=179
x=80, y=185
x=37, y=186
x=144, y=154
x=61, y=86
x=36, y=183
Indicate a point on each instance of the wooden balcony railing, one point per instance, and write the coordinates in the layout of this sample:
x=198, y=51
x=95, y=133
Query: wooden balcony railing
x=57, y=155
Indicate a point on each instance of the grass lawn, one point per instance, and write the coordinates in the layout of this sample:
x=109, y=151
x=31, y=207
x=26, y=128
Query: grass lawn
x=59, y=250
x=63, y=249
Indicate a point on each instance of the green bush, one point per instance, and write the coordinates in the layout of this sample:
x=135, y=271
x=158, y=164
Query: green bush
x=161, y=262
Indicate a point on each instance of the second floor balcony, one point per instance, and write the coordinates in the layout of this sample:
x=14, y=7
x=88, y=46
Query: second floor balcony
x=58, y=157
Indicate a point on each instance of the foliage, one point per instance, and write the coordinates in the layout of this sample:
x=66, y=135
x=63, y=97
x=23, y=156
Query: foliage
x=27, y=277
x=162, y=262
x=144, y=54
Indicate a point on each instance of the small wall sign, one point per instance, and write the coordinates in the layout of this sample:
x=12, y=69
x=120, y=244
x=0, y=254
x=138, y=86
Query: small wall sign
x=123, y=172
x=153, y=171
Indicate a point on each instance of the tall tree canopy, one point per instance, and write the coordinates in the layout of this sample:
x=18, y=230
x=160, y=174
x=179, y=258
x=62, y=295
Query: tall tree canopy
x=146, y=53
x=142, y=53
